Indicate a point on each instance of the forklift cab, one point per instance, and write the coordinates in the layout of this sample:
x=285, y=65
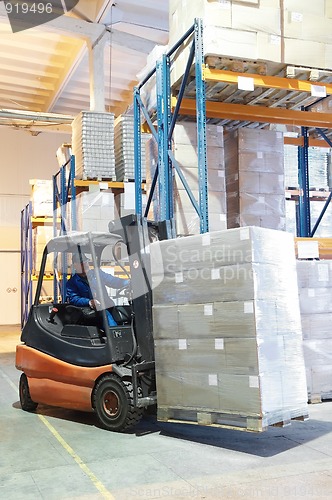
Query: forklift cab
x=65, y=331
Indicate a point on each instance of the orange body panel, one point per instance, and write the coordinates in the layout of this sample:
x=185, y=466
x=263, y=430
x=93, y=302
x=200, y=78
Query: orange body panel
x=55, y=382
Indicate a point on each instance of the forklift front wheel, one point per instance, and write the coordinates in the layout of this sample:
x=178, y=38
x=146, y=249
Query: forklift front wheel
x=113, y=403
x=25, y=399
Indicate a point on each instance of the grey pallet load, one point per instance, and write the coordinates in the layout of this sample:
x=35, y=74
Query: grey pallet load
x=315, y=291
x=255, y=185
x=93, y=145
x=227, y=329
x=124, y=149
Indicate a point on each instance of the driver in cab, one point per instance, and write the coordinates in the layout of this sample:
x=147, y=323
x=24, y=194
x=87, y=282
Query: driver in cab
x=82, y=286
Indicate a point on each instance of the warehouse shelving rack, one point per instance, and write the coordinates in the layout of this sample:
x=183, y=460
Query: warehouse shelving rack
x=26, y=262
x=274, y=99
x=63, y=189
x=28, y=277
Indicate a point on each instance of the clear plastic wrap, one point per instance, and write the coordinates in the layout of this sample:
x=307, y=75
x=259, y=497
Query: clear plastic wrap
x=124, y=148
x=227, y=329
x=94, y=210
x=315, y=291
x=42, y=197
x=255, y=179
x=93, y=145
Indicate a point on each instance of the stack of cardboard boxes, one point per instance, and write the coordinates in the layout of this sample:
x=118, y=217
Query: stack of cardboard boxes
x=291, y=32
x=227, y=329
x=94, y=209
x=184, y=148
x=315, y=291
x=93, y=145
x=124, y=148
x=255, y=178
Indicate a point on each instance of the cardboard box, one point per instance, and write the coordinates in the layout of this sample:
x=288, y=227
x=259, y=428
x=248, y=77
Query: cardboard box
x=227, y=329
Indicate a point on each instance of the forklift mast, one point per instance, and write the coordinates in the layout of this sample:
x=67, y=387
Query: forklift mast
x=137, y=234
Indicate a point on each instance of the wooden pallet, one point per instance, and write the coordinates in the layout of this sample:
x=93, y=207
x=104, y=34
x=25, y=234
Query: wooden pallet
x=247, y=423
x=318, y=398
x=99, y=178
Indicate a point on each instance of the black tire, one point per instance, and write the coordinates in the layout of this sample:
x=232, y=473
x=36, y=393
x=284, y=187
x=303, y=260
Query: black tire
x=113, y=402
x=25, y=399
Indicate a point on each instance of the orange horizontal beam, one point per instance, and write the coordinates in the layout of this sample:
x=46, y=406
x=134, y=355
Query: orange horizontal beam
x=111, y=184
x=259, y=114
x=298, y=141
x=267, y=81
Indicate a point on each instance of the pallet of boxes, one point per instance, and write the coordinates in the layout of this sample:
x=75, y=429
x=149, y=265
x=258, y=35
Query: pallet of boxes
x=315, y=292
x=227, y=329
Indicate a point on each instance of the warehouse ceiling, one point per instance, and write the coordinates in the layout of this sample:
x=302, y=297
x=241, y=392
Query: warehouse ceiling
x=46, y=68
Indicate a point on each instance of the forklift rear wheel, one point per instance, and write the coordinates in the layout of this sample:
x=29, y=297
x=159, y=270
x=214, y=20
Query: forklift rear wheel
x=25, y=399
x=113, y=403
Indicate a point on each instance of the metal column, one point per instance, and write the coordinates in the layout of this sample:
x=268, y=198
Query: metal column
x=201, y=126
x=26, y=262
x=164, y=120
x=327, y=202
x=72, y=189
x=303, y=229
x=137, y=153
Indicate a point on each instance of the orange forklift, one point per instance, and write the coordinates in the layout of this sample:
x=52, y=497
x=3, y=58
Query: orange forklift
x=70, y=357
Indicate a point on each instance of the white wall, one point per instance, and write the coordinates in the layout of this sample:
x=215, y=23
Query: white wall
x=23, y=157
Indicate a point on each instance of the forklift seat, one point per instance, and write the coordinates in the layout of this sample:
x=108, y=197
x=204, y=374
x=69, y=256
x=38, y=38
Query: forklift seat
x=73, y=315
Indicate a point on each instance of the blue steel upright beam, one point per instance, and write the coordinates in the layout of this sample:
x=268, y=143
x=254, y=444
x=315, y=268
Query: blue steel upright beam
x=328, y=201
x=55, y=230
x=72, y=188
x=26, y=262
x=303, y=228
x=137, y=152
x=164, y=119
x=201, y=127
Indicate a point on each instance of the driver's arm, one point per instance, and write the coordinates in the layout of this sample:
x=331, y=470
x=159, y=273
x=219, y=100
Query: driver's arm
x=112, y=281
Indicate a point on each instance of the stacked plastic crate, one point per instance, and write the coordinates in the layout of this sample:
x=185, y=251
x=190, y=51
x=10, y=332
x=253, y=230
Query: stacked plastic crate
x=254, y=161
x=315, y=291
x=124, y=148
x=93, y=145
x=227, y=329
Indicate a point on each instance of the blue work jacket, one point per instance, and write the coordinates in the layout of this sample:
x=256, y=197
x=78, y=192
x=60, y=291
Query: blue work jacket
x=80, y=290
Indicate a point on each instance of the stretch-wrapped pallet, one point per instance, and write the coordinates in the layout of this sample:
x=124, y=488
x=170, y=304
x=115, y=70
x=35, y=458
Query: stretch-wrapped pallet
x=93, y=145
x=255, y=186
x=227, y=329
x=315, y=291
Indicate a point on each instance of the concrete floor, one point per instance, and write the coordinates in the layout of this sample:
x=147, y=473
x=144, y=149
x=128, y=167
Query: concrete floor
x=61, y=454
